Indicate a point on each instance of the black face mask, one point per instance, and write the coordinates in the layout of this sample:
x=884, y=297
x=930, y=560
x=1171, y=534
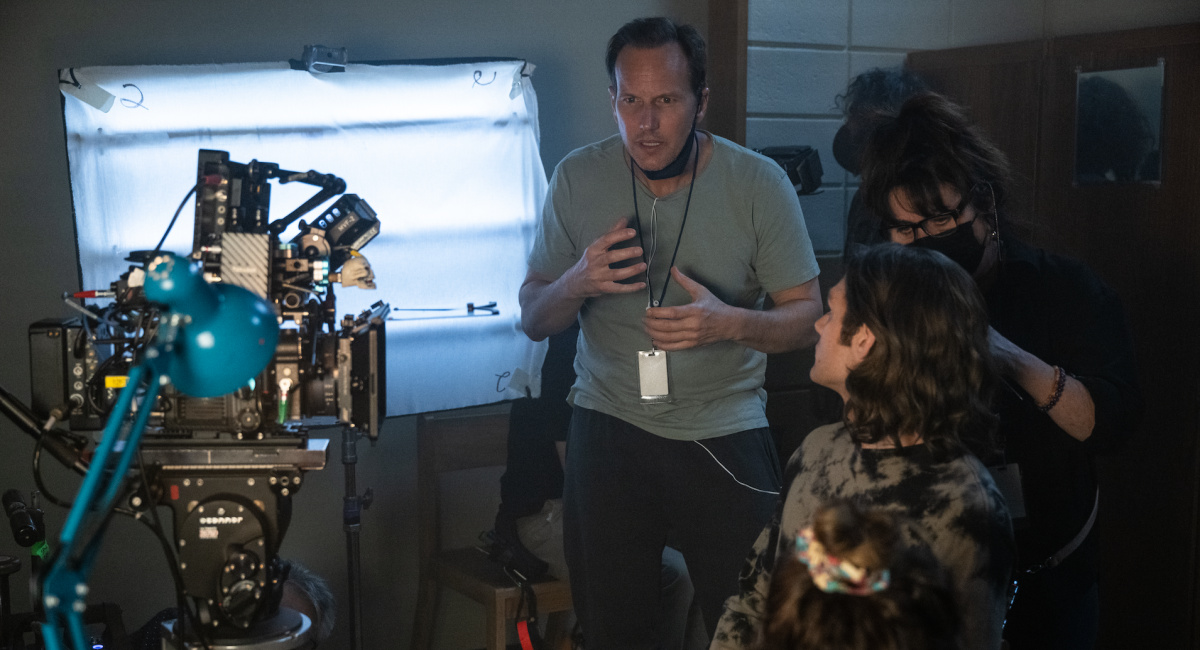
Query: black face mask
x=960, y=246
x=848, y=150
x=676, y=166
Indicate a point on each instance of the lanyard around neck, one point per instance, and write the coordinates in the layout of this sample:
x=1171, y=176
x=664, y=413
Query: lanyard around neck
x=642, y=238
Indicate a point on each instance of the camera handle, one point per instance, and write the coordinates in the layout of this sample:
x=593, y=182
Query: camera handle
x=330, y=186
x=352, y=507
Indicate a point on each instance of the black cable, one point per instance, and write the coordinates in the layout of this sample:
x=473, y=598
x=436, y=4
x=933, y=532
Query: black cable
x=133, y=324
x=151, y=330
x=74, y=80
x=181, y=594
x=37, y=477
x=152, y=521
x=177, y=211
x=156, y=528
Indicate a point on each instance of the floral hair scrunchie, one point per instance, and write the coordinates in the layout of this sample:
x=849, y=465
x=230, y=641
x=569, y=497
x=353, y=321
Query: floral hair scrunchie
x=835, y=576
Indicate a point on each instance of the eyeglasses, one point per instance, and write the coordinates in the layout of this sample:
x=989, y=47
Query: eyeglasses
x=939, y=225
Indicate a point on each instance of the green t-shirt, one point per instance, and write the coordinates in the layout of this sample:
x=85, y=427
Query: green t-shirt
x=744, y=238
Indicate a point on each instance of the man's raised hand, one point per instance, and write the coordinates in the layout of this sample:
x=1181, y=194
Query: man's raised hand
x=700, y=322
x=591, y=276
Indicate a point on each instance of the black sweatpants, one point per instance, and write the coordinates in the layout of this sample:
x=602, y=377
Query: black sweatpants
x=628, y=490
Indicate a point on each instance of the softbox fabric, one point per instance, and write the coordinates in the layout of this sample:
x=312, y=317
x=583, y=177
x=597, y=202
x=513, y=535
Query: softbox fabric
x=447, y=155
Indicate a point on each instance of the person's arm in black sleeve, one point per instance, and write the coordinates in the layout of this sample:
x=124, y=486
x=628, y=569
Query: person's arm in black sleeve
x=1104, y=364
x=1100, y=404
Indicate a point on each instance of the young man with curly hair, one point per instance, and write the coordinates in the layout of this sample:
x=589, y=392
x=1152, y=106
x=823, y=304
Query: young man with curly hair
x=905, y=343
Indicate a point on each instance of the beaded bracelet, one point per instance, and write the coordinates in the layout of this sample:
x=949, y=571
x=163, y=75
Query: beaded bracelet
x=1060, y=380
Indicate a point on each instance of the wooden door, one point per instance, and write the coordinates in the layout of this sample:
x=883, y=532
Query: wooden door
x=1144, y=241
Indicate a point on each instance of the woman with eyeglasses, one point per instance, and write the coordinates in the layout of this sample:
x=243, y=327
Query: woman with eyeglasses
x=1059, y=336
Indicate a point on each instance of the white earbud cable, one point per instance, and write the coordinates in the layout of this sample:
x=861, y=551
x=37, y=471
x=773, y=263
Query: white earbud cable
x=735, y=479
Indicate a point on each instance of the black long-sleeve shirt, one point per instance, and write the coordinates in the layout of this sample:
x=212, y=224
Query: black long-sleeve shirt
x=1058, y=310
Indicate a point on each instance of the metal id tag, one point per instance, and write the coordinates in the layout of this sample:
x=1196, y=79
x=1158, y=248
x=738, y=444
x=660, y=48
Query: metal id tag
x=652, y=376
x=1008, y=479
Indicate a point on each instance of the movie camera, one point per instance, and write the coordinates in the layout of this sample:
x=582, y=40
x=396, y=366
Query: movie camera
x=79, y=365
x=227, y=465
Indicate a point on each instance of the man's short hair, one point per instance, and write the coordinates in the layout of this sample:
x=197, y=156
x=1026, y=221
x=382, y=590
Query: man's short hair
x=930, y=370
x=928, y=143
x=655, y=32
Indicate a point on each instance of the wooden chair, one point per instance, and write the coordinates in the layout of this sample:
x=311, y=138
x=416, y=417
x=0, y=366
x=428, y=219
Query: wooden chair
x=448, y=443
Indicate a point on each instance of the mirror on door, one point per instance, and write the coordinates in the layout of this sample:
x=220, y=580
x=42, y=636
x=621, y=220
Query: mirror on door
x=1118, y=135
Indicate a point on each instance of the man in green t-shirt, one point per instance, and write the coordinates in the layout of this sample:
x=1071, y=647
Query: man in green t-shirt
x=664, y=241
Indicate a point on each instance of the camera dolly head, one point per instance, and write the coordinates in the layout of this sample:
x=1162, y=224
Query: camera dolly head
x=231, y=506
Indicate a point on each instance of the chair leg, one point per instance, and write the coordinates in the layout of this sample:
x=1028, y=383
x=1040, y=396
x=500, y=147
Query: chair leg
x=426, y=615
x=558, y=630
x=497, y=626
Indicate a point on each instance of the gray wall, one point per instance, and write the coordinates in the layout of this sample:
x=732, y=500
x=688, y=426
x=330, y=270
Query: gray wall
x=803, y=53
x=566, y=41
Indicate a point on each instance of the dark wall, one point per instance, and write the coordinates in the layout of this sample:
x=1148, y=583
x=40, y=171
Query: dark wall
x=565, y=39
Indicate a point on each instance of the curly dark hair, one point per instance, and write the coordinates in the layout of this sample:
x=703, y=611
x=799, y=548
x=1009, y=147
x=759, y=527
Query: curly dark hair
x=879, y=91
x=928, y=143
x=655, y=32
x=917, y=610
x=930, y=370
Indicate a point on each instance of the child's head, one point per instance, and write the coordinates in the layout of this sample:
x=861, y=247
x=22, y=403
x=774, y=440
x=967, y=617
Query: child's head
x=851, y=583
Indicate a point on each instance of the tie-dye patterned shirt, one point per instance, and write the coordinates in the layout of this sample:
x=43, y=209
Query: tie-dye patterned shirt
x=954, y=505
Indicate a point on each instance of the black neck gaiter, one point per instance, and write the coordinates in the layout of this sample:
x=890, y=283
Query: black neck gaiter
x=676, y=166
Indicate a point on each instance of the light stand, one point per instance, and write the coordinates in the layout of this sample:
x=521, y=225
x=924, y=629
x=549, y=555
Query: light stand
x=352, y=507
x=352, y=522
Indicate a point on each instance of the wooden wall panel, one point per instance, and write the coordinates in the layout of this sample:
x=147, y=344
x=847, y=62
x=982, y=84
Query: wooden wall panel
x=1144, y=240
x=728, y=29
